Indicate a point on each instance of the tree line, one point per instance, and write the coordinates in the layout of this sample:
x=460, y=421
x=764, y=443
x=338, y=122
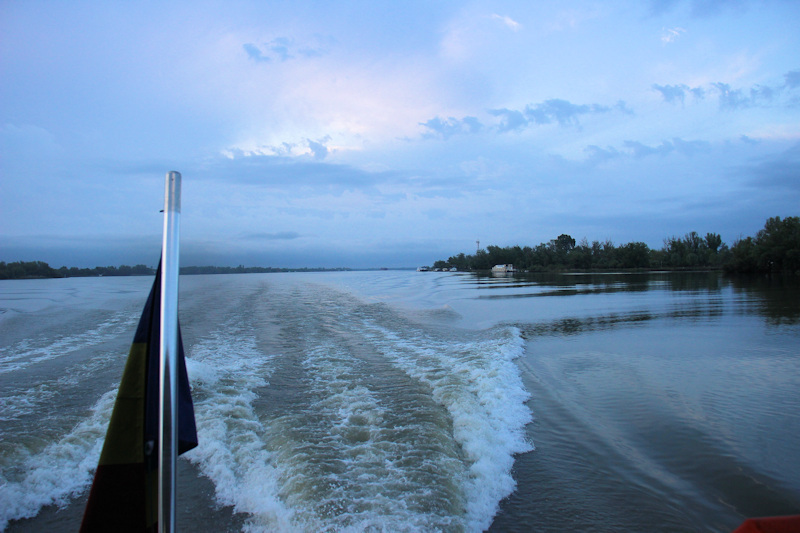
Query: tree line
x=775, y=248
x=40, y=269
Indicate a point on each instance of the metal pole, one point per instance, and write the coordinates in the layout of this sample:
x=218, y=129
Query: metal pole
x=168, y=356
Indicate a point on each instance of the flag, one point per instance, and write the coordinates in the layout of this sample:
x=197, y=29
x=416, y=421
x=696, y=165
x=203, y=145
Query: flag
x=124, y=494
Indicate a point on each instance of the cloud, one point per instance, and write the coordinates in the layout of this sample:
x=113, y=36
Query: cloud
x=677, y=93
x=671, y=93
x=318, y=148
x=554, y=110
x=640, y=150
x=254, y=53
x=792, y=79
x=687, y=148
x=637, y=150
x=508, y=21
x=732, y=98
x=670, y=35
x=698, y=92
x=597, y=155
x=623, y=108
x=282, y=49
x=777, y=171
x=288, y=173
x=445, y=128
x=690, y=148
x=634, y=149
x=763, y=92
x=562, y=111
x=510, y=119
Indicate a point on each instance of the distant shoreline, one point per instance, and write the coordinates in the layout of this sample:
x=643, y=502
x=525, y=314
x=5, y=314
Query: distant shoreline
x=100, y=272
x=776, y=248
x=41, y=270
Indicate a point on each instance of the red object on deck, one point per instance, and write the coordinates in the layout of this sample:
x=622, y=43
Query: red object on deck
x=772, y=524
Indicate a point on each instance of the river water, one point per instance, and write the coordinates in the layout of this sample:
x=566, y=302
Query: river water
x=405, y=401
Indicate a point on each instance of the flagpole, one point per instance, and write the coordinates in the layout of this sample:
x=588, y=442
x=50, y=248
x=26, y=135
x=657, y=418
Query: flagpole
x=168, y=356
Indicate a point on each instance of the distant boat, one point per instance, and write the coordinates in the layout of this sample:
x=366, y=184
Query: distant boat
x=453, y=269
x=502, y=269
x=423, y=269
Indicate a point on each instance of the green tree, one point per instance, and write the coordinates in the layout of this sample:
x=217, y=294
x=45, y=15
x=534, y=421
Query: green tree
x=27, y=270
x=634, y=255
x=778, y=245
x=481, y=261
x=564, y=243
x=744, y=256
x=580, y=257
x=459, y=261
x=604, y=255
x=713, y=242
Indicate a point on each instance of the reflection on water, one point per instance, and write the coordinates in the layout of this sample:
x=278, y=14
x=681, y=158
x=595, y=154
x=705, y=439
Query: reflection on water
x=574, y=326
x=616, y=281
x=662, y=401
x=776, y=298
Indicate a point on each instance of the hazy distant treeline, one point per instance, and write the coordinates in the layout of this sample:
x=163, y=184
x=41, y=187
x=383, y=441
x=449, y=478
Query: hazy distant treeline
x=40, y=269
x=776, y=248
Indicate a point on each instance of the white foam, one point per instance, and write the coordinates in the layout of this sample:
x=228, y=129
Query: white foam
x=25, y=402
x=32, y=351
x=345, y=464
x=60, y=472
x=354, y=471
x=480, y=386
x=225, y=369
x=476, y=382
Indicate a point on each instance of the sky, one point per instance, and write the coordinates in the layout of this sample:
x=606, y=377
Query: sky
x=390, y=134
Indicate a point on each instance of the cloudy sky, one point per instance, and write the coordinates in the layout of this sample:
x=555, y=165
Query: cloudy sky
x=370, y=133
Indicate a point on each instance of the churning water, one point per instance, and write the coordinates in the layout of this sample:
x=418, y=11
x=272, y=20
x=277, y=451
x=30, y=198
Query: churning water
x=404, y=401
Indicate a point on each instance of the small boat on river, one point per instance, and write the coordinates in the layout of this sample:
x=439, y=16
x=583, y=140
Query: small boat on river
x=503, y=269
